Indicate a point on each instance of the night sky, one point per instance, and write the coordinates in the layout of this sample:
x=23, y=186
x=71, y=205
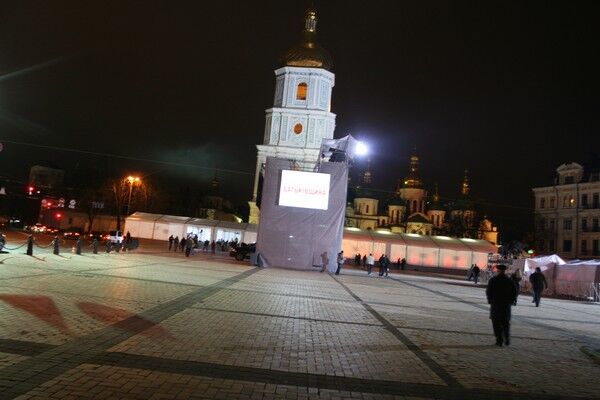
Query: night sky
x=507, y=90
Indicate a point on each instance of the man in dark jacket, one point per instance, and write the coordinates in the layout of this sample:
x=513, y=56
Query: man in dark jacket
x=384, y=263
x=538, y=284
x=501, y=294
x=475, y=271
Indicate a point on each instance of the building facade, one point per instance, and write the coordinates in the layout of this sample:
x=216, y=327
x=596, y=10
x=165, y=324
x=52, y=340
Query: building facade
x=300, y=117
x=567, y=214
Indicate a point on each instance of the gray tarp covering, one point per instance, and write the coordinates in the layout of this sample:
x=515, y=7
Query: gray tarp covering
x=295, y=237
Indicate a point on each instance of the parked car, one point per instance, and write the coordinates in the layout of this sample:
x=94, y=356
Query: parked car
x=38, y=228
x=116, y=237
x=73, y=233
x=99, y=236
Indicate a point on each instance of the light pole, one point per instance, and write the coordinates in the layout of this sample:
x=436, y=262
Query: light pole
x=131, y=180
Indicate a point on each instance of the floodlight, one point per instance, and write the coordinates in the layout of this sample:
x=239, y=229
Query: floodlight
x=361, y=149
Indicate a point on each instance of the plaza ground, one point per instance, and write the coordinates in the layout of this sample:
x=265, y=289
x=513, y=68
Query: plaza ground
x=152, y=324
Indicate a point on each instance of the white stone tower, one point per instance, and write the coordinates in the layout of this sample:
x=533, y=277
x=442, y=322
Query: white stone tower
x=300, y=117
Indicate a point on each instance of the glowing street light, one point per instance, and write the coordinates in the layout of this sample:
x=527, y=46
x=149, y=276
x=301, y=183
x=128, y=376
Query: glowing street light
x=131, y=180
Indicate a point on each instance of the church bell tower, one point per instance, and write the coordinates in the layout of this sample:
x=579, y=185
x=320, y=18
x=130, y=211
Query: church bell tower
x=300, y=117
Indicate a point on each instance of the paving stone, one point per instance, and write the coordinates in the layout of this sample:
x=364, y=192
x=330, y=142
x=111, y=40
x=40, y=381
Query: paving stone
x=217, y=331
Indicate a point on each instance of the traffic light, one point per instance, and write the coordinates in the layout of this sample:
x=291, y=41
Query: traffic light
x=58, y=215
x=30, y=190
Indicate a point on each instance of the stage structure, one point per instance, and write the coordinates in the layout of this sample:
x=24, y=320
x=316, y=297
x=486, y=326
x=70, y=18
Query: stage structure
x=302, y=214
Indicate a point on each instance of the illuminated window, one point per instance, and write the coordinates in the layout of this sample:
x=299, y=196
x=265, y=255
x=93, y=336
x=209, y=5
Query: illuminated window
x=298, y=129
x=301, y=92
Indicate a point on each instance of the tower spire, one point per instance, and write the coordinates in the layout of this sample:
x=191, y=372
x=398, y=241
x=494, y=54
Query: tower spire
x=310, y=22
x=465, y=185
x=412, y=180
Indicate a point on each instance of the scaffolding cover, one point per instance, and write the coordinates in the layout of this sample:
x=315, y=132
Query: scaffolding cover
x=296, y=237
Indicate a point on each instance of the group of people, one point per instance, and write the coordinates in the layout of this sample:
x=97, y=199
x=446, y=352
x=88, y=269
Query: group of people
x=368, y=262
x=186, y=244
x=190, y=242
x=502, y=292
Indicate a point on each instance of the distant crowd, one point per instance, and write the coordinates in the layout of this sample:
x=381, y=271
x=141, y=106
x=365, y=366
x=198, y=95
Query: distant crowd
x=190, y=243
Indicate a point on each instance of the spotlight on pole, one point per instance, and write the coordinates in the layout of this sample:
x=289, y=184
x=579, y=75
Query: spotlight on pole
x=361, y=149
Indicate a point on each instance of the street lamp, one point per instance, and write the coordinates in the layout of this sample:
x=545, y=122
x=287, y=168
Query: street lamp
x=131, y=180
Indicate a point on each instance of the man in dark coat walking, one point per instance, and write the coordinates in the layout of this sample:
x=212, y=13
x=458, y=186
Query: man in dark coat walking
x=475, y=272
x=538, y=284
x=501, y=294
x=384, y=263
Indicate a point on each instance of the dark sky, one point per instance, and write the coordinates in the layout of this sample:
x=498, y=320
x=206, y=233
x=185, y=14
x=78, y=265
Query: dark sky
x=508, y=90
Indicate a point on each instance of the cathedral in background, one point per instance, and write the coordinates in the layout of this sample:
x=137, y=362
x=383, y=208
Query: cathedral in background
x=301, y=118
x=410, y=210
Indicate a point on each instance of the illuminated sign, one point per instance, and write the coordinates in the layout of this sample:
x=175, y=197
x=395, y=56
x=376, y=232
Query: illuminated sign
x=304, y=190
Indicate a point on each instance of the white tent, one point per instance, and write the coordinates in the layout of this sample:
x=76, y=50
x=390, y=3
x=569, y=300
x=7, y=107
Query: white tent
x=420, y=250
x=574, y=278
x=543, y=262
x=160, y=227
x=578, y=279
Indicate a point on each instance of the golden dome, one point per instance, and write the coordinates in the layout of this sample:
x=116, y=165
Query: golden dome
x=308, y=53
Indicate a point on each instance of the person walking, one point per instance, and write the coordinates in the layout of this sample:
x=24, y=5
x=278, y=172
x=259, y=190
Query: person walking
x=383, y=265
x=182, y=244
x=403, y=264
x=175, y=244
x=324, y=261
x=516, y=278
x=188, y=246
x=171, y=238
x=213, y=246
x=370, y=263
x=364, y=260
x=501, y=293
x=538, y=284
x=340, y=261
x=386, y=267
x=476, y=272
x=470, y=272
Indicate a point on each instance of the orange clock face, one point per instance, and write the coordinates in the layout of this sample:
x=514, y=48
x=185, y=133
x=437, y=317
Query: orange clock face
x=298, y=129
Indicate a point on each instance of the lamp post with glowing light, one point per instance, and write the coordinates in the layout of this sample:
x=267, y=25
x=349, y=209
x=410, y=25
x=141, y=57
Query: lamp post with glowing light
x=131, y=180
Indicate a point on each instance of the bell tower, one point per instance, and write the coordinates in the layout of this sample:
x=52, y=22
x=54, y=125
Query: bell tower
x=300, y=117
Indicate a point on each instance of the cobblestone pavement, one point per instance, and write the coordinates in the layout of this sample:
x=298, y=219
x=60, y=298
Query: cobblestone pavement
x=156, y=325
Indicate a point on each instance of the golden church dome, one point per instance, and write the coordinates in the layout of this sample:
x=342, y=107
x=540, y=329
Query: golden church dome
x=308, y=53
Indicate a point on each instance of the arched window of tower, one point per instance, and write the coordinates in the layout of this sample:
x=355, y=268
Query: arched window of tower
x=302, y=91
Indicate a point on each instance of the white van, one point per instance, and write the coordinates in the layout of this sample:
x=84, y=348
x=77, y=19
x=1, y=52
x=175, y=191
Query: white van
x=116, y=237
